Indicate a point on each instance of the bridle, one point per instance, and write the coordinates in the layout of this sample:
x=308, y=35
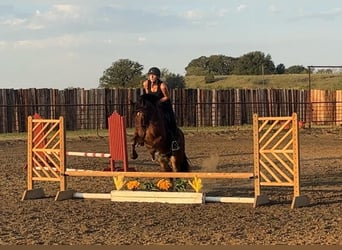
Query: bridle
x=142, y=124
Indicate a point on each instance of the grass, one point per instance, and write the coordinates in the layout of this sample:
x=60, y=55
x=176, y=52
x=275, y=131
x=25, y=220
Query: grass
x=13, y=136
x=284, y=81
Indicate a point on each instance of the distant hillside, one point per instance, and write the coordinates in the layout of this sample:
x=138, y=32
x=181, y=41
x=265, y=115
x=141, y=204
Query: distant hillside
x=289, y=81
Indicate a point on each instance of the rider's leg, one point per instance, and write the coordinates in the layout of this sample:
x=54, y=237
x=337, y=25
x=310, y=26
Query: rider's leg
x=174, y=131
x=171, y=124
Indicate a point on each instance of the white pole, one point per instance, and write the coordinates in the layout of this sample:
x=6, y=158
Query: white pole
x=229, y=199
x=91, y=196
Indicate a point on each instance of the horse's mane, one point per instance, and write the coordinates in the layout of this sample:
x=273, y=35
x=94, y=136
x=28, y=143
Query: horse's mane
x=145, y=101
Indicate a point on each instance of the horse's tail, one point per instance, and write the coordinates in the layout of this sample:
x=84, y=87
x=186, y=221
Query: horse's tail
x=185, y=165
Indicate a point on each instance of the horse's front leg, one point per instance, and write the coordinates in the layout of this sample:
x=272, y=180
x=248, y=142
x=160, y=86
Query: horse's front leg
x=174, y=163
x=152, y=148
x=174, y=168
x=134, y=154
x=163, y=163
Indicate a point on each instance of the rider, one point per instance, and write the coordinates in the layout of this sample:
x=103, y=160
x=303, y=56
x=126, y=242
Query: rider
x=155, y=86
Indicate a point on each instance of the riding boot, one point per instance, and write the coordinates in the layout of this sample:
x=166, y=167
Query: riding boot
x=174, y=143
x=171, y=125
x=171, y=129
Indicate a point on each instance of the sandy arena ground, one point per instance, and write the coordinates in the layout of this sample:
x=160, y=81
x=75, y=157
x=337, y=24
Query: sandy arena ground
x=102, y=222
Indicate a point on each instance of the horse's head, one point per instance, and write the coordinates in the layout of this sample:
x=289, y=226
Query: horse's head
x=143, y=111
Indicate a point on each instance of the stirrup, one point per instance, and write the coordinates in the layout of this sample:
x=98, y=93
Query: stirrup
x=174, y=146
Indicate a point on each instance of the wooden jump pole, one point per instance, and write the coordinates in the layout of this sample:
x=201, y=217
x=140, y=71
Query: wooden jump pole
x=204, y=175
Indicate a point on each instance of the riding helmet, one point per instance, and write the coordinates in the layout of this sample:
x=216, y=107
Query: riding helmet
x=154, y=71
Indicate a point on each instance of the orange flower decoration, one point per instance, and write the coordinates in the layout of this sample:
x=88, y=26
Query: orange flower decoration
x=164, y=184
x=133, y=185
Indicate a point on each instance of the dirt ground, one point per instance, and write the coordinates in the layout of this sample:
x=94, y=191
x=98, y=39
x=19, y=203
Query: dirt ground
x=103, y=222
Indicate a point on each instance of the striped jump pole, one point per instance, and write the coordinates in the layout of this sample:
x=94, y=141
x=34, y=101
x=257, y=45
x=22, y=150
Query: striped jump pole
x=89, y=154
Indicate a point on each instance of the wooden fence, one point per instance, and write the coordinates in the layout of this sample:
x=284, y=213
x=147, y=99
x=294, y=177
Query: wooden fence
x=89, y=109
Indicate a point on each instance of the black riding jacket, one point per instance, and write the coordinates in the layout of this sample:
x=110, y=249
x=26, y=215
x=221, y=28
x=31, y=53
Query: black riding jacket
x=158, y=93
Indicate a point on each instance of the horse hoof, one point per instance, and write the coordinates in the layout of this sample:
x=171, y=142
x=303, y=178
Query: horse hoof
x=134, y=156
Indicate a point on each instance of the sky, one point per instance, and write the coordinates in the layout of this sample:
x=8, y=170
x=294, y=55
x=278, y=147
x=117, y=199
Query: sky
x=69, y=44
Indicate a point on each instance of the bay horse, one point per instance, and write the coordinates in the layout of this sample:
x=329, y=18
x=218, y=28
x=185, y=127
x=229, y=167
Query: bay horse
x=151, y=131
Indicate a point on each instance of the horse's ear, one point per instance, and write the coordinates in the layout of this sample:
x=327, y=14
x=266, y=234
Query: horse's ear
x=131, y=104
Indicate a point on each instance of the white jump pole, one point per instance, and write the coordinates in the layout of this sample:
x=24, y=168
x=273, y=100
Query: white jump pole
x=229, y=199
x=86, y=154
x=207, y=198
x=91, y=196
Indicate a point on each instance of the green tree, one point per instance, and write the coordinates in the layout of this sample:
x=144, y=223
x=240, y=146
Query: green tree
x=296, y=69
x=215, y=64
x=254, y=63
x=221, y=65
x=198, y=66
x=122, y=73
x=280, y=69
x=173, y=80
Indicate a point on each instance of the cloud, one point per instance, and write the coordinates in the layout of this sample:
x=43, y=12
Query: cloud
x=50, y=21
x=13, y=21
x=3, y=45
x=141, y=39
x=241, y=7
x=64, y=42
x=327, y=15
x=69, y=25
x=67, y=9
x=222, y=12
x=204, y=17
x=332, y=13
x=193, y=15
x=44, y=21
x=274, y=9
